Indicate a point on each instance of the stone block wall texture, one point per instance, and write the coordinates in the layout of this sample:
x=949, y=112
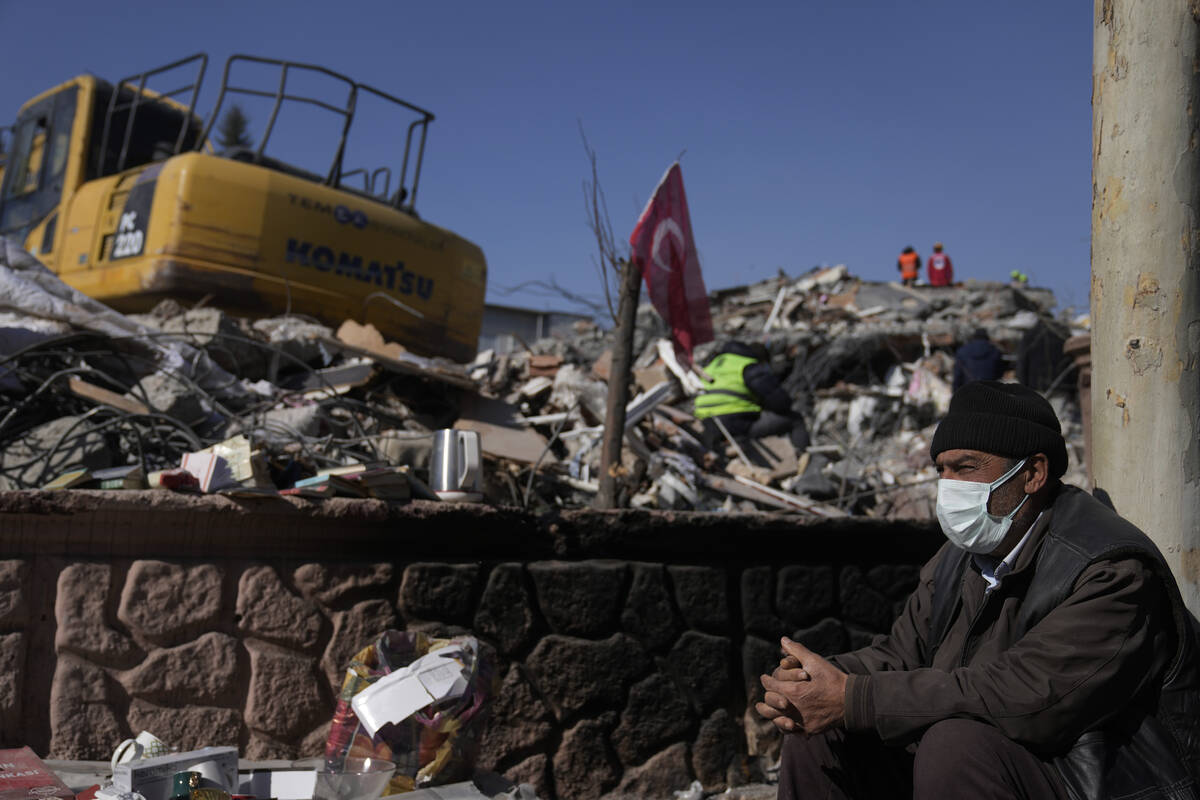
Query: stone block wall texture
x=628, y=644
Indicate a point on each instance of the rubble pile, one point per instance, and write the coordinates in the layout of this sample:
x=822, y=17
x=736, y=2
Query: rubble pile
x=96, y=399
x=307, y=402
x=868, y=365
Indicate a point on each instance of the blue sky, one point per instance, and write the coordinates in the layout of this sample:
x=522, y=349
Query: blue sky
x=814, y=132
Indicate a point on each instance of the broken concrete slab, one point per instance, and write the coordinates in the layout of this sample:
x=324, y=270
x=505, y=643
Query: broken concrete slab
x=405, y=447
x=774, y=454
x=282, y=425
x=173, y=395
x=501, y=435
x=45, y=452
x=299, y=341
x=405, y=363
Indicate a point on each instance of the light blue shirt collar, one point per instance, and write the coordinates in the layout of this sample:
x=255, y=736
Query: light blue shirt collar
x=993, y=571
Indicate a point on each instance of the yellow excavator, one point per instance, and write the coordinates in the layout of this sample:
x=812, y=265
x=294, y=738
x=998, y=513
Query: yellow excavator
x=120, y=191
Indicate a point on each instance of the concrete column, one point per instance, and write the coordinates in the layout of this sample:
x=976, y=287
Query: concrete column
x=1145, y=257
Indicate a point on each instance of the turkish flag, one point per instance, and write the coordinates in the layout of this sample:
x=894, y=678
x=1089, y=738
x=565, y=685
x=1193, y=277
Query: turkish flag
x=664, y=251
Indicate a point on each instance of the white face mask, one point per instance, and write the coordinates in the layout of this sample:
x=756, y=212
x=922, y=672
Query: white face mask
x=963, y=515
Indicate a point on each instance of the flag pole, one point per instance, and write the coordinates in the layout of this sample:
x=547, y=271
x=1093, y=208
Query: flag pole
x=618, y=386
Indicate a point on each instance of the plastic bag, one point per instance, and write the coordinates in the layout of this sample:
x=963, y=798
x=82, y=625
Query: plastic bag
x=433, y=746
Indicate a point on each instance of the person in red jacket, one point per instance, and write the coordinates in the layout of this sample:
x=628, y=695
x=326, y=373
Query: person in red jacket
x=941, y=271
x=909, y=265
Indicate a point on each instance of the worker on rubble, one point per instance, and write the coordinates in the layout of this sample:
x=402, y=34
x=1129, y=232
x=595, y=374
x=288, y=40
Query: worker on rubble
x=1045, y=653
x=977, y=360
x=744, y=394
x=909, y=265
x=939, y=268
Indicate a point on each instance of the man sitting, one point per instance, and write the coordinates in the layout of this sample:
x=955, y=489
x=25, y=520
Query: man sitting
x=1045, y=653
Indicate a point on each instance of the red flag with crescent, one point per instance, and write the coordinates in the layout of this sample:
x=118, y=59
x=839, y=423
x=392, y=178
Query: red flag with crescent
x=664, y=251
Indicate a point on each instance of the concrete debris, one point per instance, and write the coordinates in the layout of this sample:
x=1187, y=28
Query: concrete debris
x=502, y=435
x=225, y=338
x=868, y=365
x=44, y=451
x=405, y=447
x=298, y=340
x=575, y=387
x=171, y=394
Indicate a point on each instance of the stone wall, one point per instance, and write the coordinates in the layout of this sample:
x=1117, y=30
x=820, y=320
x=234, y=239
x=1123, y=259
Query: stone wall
x=628, y=643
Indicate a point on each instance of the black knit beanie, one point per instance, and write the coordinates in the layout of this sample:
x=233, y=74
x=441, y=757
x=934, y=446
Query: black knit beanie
x=1005, y=419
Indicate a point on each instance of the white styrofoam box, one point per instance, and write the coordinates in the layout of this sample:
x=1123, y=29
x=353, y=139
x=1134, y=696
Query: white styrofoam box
x=281, y=784
x=151, y=777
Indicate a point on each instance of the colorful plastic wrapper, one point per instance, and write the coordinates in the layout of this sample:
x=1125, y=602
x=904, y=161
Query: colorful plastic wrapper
x=436, y=745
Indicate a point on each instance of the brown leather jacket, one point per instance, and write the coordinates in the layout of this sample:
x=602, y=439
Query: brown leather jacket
x=1094, y=662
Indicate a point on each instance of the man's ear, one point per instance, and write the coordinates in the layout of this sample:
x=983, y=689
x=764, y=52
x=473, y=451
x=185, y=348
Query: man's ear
x=1037, y=473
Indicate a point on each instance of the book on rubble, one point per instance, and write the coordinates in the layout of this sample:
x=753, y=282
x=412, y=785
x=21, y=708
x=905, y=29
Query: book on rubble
x=69, y=480
x=130, y=476
x=316, y=490
x=328, y=486
x=357, y=480
x=351, y=469
x=384, y=483
x=24, y=775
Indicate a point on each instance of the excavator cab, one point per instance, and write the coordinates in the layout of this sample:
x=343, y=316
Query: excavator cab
x=118, y=190
x=87, y=129
x=35, y=169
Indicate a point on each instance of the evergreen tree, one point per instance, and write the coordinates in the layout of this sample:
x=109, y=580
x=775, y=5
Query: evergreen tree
x=234, y=130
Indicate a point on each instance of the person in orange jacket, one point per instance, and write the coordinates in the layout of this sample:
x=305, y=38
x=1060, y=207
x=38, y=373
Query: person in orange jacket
x=909, y=265
x=941, y=271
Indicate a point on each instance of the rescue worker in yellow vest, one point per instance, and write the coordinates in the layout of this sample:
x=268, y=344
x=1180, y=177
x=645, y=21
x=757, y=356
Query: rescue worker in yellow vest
x=747, y=397
x=909, y=265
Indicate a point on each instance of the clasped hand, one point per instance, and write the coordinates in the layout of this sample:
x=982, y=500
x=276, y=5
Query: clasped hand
x=804, y=693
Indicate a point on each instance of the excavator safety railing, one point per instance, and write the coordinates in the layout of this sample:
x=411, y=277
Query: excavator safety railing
x=335, y=176
x=141, y=97
x=132, y=95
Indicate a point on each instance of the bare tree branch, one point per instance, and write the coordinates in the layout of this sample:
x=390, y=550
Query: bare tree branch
x=552, y=287
x=610, y=261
